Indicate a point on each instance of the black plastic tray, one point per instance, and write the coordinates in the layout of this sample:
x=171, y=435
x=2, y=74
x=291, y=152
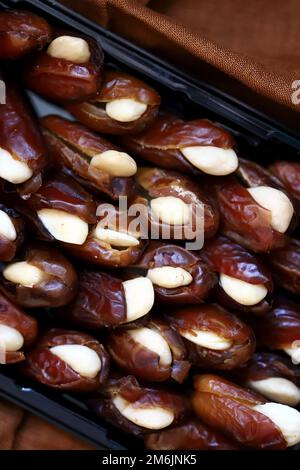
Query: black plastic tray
x=184, y=95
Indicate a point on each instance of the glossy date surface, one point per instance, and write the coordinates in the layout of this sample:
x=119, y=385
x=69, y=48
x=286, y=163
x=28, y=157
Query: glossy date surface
x=238, y=337
x=143, y=362
x=45, y=367
x=117, y=86
x=13, y=317
x=62, y=80
x=58, y=281
x=22, y=32
x=228, y=408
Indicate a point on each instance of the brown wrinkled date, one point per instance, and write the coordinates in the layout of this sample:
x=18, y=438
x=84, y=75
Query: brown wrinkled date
x=12, y=233
x=177, y=206
x=239, y=413
x=69, y=70
x=285, y=266
x=213, y=337
x=68, y=360
x=106, y=301
x=40, y=277
x=289, y=175
x=245, y=221
x=280, y=328
x=123, y=105
x=22, y=151
x=153, y=352
x=59, y=209
x=245, y=284
x=179, y=276
x=273, y=376
x=138, y=409
x=92, y=160
x=17, y=331
x=194, y=147
x=22, y=32
x=111, y=243
x=192, y=434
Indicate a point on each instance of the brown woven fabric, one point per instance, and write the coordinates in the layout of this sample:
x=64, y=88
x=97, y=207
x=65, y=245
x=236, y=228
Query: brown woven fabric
x=250, y=49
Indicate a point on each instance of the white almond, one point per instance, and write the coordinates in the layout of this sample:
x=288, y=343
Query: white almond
x=277, y=203
x=154, y=417
x=171, y=210
x=115, y=163
x=82, y=359
x=278, y=389
x=243, y=292
x=7, y=228
x=155, y=342
x=139, y=295
x=125, y=109
x=63, y=226
x=169, y=277
x=11, y=339
x=207, y=339
x=13, y=170
x=212, y=160
x=294, y=352
x=114, y=238
x=70, y=48
x=24, y=273
x=287, y=419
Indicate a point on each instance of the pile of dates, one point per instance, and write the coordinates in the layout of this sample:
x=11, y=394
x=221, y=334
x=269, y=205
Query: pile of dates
x=183, y=348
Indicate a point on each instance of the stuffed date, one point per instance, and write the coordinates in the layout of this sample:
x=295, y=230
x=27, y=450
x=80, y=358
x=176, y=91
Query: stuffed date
x=68, y=360
x=106, y=301
x=195, y=147
x=92, y=160
x=17, y=332
x=179, y=276
x=123, y=105
x=70, y=69
x=245, y=284
x=40, y=277
x=22, y=32
x=138, y=409
x=12, y=231
x=245, y=416
x=214, y=338
x=22, y=151
x=153, y=352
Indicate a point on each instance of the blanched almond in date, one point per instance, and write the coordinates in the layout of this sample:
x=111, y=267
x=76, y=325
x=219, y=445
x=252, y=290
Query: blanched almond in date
x=207, y=339
x=155, y=342
x=11, y=339
x=170, y=277
x=286, y=418
x=170, y=210
x=278, y=389
x=212, y=160
x=277, y=203
x=115, y=238
x=118, y=164
x=294, y=352
x=82, y=359
x=7, y=228
x=243, y=292
x=125, y=109
x=70, y=48
x=151, y=417
x=139, y=295
x=24, y=273
x=63, y=226
x=12, y=170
